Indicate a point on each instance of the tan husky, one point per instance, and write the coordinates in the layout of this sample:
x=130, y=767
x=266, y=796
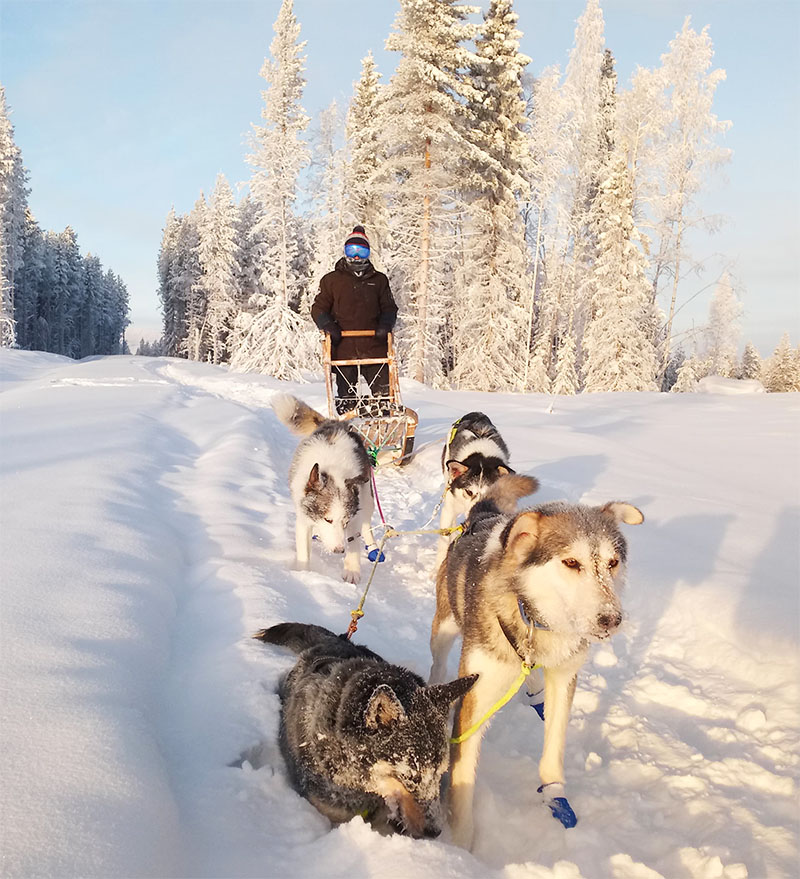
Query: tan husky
x=539, y=587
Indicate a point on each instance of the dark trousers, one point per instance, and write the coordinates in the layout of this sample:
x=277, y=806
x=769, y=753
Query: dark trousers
x=375, y=374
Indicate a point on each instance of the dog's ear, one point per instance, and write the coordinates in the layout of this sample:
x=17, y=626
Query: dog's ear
x=444, y=695
x=504, y=471
x=455, y=469
x=523, y=535
x=623, y=512
x=383, y=709
x=316, y=480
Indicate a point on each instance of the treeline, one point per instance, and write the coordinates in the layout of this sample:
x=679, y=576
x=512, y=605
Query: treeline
x=535, y=231
x=53, y=298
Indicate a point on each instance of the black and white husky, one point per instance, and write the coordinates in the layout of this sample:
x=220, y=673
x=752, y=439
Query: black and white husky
x=329, y=480
x=474, y=457
x=361, y=736
x=538, y=586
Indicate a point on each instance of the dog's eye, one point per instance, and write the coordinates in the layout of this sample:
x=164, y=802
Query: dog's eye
x=469, y=493
x=329, y=521
x=612, y=563
x=572, y=563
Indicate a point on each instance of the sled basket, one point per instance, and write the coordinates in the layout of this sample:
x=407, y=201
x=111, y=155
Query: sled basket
x=385, y=424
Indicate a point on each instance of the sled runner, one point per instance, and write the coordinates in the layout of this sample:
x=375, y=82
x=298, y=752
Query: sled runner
x=385, y=424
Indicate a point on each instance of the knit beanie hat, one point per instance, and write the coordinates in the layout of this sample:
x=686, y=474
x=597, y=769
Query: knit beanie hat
x=357, y=236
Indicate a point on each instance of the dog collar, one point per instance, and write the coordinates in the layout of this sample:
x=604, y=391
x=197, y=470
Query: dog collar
x=527, y=619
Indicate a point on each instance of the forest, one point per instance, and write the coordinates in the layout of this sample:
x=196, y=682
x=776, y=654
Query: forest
x=52, y=297
x=536, y=230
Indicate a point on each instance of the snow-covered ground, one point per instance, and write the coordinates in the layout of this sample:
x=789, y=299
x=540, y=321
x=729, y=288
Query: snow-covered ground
x=147, y=532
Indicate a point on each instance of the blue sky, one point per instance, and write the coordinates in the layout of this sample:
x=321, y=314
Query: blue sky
x=123, y=108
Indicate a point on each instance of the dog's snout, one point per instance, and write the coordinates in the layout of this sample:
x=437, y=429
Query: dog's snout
x=432, y=832
x=610, y=620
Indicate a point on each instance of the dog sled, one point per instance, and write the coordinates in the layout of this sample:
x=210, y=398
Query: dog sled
x=385, y=424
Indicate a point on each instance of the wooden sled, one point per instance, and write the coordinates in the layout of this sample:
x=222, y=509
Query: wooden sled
x=385, y=424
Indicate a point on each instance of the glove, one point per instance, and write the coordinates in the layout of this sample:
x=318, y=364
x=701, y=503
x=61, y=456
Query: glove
x=381, y=333
x=335, y=332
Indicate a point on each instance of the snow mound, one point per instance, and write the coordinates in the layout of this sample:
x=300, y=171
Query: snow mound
x=717, y=384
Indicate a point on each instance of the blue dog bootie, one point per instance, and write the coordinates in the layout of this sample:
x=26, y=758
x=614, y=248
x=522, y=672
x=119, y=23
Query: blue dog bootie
x=553, y=796
x=375, y=554
x=533, y=692
x=536, y=701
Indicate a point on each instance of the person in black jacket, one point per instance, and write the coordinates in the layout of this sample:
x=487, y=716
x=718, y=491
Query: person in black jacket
x=355, y=296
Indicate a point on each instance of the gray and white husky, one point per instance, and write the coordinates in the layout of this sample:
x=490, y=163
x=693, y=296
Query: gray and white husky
x=329, y=480
x=474, y=457
x=541, y=586
x=361, y=736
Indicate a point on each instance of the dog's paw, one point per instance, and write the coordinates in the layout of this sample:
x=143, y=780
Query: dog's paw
x=553, y=796
x=353, y=577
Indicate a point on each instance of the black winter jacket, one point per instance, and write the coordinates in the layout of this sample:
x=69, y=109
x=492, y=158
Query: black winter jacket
x=355, y=302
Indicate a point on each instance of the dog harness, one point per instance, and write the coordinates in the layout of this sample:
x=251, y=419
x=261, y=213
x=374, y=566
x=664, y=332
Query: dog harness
x=526, y=668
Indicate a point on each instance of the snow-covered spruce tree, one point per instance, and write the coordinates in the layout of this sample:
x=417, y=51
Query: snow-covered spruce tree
x=363, y=203
x=28, y=283
x=797, y=364
x=685, y=154
x=66, y=291
x=722, y=333
x=330, y=218
x=781, y=373
x=249, y=241
x=544, y=216
x=422, y=138
x=187, y=282
x=115, y=316
x=13, y=206
x=676, y=360
x=586, y=92
x=566, y=379
x=218, y=254
x=686, y=381
x=618, y=345
x=490, y=342
x=8, y=333
x=88, y=314
x=44, y=332
x=752, y=367
x=173, y=303
x=588, y=298
x=277, y=340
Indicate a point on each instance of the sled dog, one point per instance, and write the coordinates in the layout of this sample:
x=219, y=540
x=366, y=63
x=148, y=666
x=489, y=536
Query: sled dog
x=361, y=736
x=474, y=457
x=329, y=480
x=539, y=586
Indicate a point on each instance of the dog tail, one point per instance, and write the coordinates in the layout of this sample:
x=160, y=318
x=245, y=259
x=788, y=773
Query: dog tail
x=297, y=637
x=503, y=495
x=296, y=415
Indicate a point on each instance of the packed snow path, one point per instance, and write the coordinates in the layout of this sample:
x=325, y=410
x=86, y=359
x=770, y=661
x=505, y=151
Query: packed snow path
x=147, y=532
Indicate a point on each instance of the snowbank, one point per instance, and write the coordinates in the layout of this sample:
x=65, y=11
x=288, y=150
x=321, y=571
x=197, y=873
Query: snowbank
x=716, y=384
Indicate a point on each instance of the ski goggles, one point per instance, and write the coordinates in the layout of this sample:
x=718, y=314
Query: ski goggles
x=353, y=251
